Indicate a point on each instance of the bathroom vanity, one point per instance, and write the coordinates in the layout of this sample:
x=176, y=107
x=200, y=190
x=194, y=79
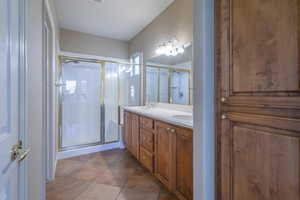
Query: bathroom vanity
x=161, y=139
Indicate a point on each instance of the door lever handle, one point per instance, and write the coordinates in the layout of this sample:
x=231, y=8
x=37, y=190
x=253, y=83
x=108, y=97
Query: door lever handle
x=23, y=153
x=19, y=153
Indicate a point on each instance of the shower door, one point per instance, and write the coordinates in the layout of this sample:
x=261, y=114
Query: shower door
x=180, y=87
x=81, y=104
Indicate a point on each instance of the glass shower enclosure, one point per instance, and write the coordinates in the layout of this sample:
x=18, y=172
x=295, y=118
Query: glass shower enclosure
x=90, y=96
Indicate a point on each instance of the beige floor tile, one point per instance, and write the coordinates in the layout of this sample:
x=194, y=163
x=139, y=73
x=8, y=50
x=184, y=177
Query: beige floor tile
x=89, y=172
x=66, y=167
x=65, y=188
x=145, y=182
x=100, y=192
x=129, y=194
x=109, y=178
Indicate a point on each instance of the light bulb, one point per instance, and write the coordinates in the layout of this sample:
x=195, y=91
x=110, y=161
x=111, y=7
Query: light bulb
x=180, y=50
x=158, y=51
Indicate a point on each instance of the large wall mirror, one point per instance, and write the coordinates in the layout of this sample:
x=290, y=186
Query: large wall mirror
x=169, y=77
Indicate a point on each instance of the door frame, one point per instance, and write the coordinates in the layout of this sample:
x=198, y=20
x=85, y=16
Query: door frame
x=23, y=90
x=204, y=100
x=49, y=96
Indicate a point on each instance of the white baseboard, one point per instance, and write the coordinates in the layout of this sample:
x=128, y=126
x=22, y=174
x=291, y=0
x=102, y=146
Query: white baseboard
x=122, y=146
x=87, y=150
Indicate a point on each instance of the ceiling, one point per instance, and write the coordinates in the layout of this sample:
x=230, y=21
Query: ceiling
x=117, y=19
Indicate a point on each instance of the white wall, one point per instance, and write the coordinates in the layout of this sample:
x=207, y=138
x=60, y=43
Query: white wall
x=83, y=43
x=36, y=189
x=50, y=9
x=34, y=37
x=176, y=20
x=204, y=133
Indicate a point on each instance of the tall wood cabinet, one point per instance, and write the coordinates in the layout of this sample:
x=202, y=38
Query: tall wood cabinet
x=165, y=150
x=258, y=99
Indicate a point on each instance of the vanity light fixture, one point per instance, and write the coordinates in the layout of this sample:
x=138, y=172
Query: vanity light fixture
x=170, y=48
x=99, y=1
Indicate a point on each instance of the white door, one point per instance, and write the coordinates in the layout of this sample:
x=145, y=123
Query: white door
x=10, y=115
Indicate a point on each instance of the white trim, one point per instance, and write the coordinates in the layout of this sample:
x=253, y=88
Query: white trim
x=204, y=143
x=51, y=97
x=23, y=169
x=86, y=56
x=87, y=150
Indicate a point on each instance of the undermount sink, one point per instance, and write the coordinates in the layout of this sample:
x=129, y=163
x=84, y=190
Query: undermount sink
x=183, y=117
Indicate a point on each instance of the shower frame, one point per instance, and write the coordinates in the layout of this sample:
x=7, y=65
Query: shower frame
x=59, y=84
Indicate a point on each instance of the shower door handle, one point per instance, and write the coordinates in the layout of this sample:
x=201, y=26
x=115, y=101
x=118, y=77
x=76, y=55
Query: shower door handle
x=102, y=123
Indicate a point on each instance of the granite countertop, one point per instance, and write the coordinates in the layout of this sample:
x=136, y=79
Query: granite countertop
x=174, y=114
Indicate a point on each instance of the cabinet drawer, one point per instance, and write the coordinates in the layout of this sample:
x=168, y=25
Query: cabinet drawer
x=147, y=123
x=146, y=158
x=147, y=140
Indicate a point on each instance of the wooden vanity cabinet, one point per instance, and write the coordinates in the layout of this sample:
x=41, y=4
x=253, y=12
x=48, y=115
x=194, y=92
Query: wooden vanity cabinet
x=165, y=150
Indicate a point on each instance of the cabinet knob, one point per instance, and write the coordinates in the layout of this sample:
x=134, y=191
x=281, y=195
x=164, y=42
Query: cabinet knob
x=168, y=129
x=224, y=116
x=172, y=130
x=223, y=99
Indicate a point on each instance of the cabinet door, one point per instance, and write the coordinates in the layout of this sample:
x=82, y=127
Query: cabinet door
x=183, y=164
x=163, y=153
x=135, y=135
x=127, y=132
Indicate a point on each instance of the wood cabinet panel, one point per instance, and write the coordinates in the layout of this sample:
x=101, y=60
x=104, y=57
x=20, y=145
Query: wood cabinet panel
x=264, y=42
x=147, y=123
x=163, y=153
x=146, y=159
x=183, y=172
x=135, y=134
x=147, y=140
x=265, y=164
x=127, y=130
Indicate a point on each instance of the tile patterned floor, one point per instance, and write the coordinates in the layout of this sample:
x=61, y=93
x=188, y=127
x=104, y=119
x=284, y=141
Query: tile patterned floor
x=109, y=175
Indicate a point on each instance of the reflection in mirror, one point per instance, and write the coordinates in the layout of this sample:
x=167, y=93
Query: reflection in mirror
x=168, y=78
